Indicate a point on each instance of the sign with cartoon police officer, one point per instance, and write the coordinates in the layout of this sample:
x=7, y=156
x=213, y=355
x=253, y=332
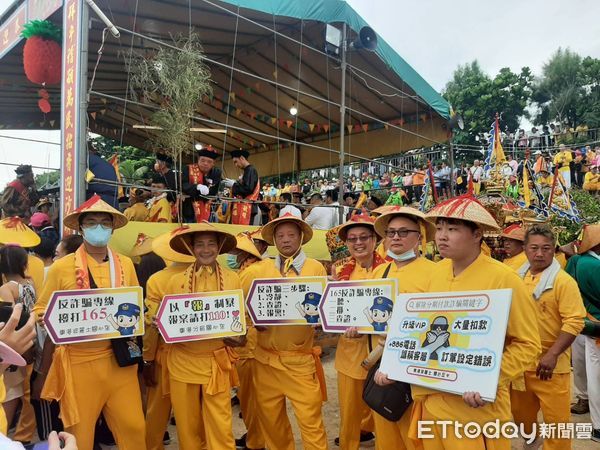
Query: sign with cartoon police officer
x=286, y=301
x=204, y=315
x=95, y=314
x=448, y=341
x=365, y=304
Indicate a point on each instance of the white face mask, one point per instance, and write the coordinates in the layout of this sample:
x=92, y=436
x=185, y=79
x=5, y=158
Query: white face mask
x=402, y=257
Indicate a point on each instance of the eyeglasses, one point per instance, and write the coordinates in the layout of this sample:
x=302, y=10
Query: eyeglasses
x=363, y=238
x=400, y=233
x=90, y=224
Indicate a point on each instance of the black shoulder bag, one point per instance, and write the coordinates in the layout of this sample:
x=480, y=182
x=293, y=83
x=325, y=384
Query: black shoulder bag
x=127, y=350
x=390, y=401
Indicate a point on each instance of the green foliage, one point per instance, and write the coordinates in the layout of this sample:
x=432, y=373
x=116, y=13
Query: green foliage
x=42, y=28
x=175, y=80
x=47, y=179
x=568, y=91
x=589, y=210
x=134, y=164
x=478, y=98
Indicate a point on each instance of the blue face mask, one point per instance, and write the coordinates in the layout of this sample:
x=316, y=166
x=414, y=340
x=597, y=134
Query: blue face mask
x=403, y=257
x=98, y=235
x=232, y=262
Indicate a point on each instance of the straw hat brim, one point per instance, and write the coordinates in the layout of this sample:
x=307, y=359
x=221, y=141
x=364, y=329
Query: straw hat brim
x=160, y=246
x=245, y=244
x=20, y=234
x=470, y=211
x=181, y=241
x=518, y=235
x=95, y=205
x=343, y=229
x=268, y=230
x=382, y=222
x=143, y=249
x=591, y=238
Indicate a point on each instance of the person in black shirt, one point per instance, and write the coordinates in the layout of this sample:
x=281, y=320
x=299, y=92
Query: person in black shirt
x=162, y=167
x=247, y=187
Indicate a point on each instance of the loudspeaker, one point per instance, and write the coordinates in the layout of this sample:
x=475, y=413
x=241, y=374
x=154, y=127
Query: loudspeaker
x=367, y=39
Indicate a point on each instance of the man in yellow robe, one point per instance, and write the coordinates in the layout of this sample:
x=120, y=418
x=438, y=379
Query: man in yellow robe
x=137, y=211
x=356, y=419
x=512, y=242
x=403, y=229
x=199, y=373
x=242, y=258
x=560, y=316
x=85, y=378
x=460, y=223
x=287, y=365
x=159, y=205
x=158, y=404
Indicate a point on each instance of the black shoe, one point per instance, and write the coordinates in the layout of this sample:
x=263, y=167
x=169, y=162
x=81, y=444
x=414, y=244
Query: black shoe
x=235, y=401
x=241, y=442
x=596, y=435
x=364, y=437
x=166, y=438
x=581, y=407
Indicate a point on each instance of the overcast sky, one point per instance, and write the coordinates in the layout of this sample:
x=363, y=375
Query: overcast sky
x=433, y=36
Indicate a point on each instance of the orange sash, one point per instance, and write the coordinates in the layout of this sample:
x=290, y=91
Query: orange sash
x=201, y=208
x=241, y=211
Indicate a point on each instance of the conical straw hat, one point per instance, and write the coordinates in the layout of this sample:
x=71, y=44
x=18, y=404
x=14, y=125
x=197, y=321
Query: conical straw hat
x=14, y=231
x=95, y=205
x=465, y=207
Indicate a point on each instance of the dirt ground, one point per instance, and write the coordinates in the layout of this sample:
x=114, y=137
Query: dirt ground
x=331, y=415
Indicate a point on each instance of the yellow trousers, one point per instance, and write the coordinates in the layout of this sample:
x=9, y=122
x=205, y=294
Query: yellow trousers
x=273, y=387
x=101, y=385
x=199, y=414
x=393, y=434
x=476, y=187
x=355, y=415
x=553, y=396
x=26, y=424
x=158, y=411
x=247, y=395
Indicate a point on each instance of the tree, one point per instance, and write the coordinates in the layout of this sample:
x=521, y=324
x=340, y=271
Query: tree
x=478, y=97
x=134, y=163
x=560, y=88
x=47, y=179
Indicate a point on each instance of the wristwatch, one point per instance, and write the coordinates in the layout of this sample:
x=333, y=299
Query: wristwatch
x=148, y=363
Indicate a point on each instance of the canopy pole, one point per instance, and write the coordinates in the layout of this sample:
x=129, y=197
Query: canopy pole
x=342, y=126
x=73, y=122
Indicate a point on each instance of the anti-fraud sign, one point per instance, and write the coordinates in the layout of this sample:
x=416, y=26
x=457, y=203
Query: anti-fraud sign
x=95, y=314
x=448, y=341
x=286, y=301
x=203, y=315
x=365, y=304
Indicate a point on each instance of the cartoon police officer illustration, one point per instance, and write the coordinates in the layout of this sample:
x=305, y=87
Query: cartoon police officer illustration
x=126, y=319
x=437, y=337
x=379, y=314
x=309, y=308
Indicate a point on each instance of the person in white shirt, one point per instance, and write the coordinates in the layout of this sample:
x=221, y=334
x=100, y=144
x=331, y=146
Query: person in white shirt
x=318, y=217
x=290, y=208
x=331, y=200
x=476, y=174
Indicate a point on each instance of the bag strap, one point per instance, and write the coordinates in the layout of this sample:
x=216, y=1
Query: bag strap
x=387, y=270
x=93, y=284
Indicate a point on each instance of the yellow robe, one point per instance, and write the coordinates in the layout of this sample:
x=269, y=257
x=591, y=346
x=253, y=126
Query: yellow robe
x=246, y=369
x=199, y=374
x=591, y=181
x=559, y=309
x=516, y=262
x=522, y=345
x=286, y=369
x=160, y=211
x=355, y=415
x=412, y=277
x=136, y=212
x=158, y=406
x=35, y=269
x=85, y=378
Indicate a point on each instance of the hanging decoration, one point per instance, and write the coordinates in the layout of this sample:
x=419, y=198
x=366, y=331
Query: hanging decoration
x=42, y=57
